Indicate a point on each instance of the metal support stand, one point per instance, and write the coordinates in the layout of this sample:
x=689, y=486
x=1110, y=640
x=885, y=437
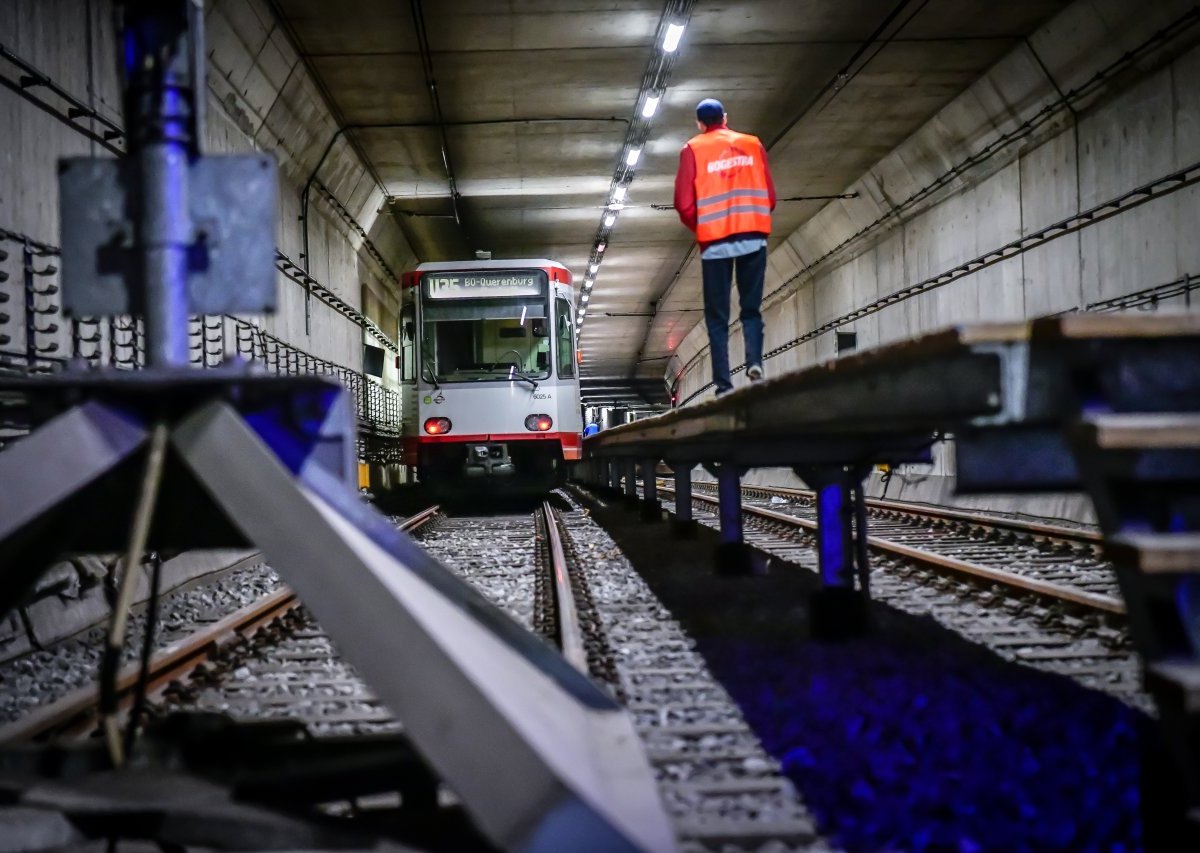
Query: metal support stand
x=483, y=701
x=614, y=477
x=488, y=692
x=839, y=608
x=734, y=556
x=682, y=524
x=651, y=511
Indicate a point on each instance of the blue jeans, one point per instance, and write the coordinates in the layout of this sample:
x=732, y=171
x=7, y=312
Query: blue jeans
x=718, y=275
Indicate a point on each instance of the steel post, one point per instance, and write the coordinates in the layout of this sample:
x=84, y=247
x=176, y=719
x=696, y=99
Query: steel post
x=165, y=233
x=729, y=492
x=734, y=557
x=651, y=511
x=630, y=470
x=835, y=533
x=159, y=108
x=839, y=609
x=683, y=524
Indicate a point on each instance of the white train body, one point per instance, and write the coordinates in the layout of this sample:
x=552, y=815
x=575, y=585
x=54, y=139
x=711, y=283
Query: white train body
x=497, y=374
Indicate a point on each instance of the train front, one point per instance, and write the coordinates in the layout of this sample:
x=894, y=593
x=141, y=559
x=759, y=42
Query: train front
x=497, y=380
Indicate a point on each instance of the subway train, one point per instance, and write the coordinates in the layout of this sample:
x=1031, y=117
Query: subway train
x=496, y=375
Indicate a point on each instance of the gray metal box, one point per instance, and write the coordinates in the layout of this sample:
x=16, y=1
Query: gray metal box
x=232, y=201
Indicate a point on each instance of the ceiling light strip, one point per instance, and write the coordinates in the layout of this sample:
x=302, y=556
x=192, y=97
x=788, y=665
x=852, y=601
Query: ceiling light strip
x=672, y=25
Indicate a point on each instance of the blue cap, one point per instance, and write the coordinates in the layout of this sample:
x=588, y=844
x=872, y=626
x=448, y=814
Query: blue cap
x=710, y=111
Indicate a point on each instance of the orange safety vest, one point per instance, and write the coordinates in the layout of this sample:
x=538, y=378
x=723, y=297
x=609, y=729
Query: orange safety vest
x=731, y=185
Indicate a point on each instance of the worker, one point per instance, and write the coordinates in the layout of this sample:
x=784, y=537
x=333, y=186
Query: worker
x=724, y=194
x=591, y=429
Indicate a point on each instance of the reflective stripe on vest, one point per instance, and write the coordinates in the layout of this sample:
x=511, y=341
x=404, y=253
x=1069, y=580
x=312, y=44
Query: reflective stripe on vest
x=731, y=185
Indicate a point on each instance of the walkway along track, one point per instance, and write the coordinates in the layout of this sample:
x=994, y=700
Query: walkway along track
x=76, y=714
x=1049, y=625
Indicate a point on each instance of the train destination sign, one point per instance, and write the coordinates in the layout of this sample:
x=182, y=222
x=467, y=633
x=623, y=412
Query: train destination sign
x=484, y=284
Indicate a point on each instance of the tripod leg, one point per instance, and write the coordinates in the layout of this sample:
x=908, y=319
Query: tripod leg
x=483, y=700
x=46, y=469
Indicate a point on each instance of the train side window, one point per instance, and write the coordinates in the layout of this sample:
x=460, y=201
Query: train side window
x=566, y=340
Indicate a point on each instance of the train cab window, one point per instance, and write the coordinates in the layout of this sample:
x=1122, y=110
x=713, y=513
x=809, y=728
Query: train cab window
x=566, y=340
x=485, y=339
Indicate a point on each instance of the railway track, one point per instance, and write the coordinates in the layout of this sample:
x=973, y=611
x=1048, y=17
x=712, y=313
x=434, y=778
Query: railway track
x=720, y=786
x=1061, y=564
x=1033, y=613
x=556, y=572
x=257, y=651
x=1066, y=560
x=560, y=574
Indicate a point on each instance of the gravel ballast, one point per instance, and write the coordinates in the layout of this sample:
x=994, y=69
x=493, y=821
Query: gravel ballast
x=46, y=675
x=910, y=738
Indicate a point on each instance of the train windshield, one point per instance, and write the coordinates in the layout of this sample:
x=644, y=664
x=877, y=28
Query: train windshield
x=473, y=340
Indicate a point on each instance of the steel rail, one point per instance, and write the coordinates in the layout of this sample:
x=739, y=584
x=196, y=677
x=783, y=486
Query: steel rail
x=1048, y=589
x=570, y=633
x=420, y=519
x=1081, y=536
x=76, y=713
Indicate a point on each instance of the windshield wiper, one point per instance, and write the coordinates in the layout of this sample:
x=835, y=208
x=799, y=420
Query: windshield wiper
x=427, y=373
x=513, y=373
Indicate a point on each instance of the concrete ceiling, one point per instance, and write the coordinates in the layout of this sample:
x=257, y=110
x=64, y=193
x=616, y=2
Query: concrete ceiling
x=536, y=97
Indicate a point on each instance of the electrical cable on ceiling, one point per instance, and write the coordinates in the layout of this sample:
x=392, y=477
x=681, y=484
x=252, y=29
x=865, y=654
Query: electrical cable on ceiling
x=426, y=54
x=845, y=73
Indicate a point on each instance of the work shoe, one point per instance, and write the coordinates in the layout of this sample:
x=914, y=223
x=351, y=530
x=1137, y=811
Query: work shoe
x=754, y=373
x=721, y=392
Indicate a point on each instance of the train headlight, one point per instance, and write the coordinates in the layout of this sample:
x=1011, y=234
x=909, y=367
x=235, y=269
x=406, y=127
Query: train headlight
x=437, y=426
x=538, y=423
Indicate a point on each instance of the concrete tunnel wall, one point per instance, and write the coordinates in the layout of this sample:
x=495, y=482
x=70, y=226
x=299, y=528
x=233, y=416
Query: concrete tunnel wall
x=1090, y=142
x=261, y=96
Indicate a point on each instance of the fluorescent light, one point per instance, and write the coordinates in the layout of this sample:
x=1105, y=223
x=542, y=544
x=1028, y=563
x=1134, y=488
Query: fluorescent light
x=632, y=157
x=610, y=220
x=651, y=106
x=600, y=248
x=594, y=268
x=588, y=284
x=672, y=36
x=582, y=313
x=586, y=296
x=618, y=196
